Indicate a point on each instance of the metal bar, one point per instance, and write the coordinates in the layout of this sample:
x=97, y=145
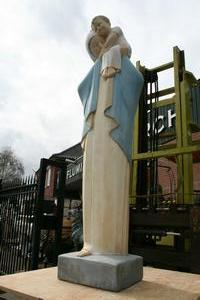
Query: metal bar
x=60, y=209
x=38, y=214
x=5, y=233
x=140, y=186
x=178, y=73
x=9, y=258
x=151, y=147
x=187, y=140
x=20, y=230
x=135, y=145
x=3, y=252
x=30, y=228
x=162, y=67
x=29, y=213
x=156, y=147
x=24, y=226
x=164, y=102
x=30, y=225
x=161, y=93
x=14, y=256
x=168, y=152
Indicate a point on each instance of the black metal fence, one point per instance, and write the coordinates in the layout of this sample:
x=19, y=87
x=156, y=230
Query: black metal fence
x=47, y=231
x=17, y=206
x=31, y=226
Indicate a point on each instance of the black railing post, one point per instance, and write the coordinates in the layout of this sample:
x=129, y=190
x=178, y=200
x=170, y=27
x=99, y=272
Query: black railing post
x=38, y=214
x=60, y=209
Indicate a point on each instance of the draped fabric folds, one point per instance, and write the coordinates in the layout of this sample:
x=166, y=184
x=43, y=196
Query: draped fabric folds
x=127, y=86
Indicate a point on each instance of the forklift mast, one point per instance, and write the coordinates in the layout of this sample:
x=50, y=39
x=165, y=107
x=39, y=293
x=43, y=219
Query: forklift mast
x=185, y=96
x=165, y=225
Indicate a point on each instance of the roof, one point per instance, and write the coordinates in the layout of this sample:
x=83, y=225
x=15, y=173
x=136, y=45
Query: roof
x=73, y=153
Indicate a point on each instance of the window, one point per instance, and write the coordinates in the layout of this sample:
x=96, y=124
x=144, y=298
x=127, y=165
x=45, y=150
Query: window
x=48, y=176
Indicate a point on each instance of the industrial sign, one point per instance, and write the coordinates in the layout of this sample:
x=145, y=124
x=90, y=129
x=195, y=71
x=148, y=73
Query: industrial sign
x=164, y=124
x=164, y=121
x=74, y=170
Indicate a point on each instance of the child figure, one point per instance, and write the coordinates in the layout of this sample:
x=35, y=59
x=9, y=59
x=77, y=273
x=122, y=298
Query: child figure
x=108, y=43
x=111, y=60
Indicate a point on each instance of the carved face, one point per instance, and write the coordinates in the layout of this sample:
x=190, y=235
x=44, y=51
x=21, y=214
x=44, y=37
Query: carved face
x=96, y=45
x=101, y=27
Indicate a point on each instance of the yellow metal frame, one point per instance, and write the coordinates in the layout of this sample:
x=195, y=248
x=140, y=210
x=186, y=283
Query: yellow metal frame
x=184, y=148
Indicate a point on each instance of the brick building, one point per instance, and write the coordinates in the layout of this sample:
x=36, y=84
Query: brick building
x=167, y=171
x=68, y=156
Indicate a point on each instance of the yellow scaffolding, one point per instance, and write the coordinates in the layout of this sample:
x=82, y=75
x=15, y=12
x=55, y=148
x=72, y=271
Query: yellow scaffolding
x=184, y=148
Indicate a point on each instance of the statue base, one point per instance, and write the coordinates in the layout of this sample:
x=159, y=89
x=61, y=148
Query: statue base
x=107, y=272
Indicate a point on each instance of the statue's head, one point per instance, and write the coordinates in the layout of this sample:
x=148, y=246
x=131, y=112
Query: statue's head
x=101, y=25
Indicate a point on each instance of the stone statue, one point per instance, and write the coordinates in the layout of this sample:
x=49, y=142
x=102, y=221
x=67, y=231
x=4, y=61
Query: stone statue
x=110, y=94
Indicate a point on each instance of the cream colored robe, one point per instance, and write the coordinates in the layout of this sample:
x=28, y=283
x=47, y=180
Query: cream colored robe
x=105, y=184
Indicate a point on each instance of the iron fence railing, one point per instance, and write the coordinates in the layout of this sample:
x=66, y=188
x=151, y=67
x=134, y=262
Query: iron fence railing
x=17, y=205
x=31, y=224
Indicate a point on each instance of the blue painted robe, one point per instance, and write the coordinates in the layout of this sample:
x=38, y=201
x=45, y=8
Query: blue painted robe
x=127, y=87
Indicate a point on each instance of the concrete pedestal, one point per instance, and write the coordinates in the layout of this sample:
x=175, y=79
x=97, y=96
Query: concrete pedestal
x=111, y=272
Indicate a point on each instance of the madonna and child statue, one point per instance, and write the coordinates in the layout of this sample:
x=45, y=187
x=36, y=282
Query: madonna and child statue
x=110, y=95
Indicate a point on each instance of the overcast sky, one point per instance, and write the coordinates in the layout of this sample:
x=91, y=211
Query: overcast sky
x=43, y=60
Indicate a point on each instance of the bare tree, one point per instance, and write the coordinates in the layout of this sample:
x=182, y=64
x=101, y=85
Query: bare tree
x=11, y=168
